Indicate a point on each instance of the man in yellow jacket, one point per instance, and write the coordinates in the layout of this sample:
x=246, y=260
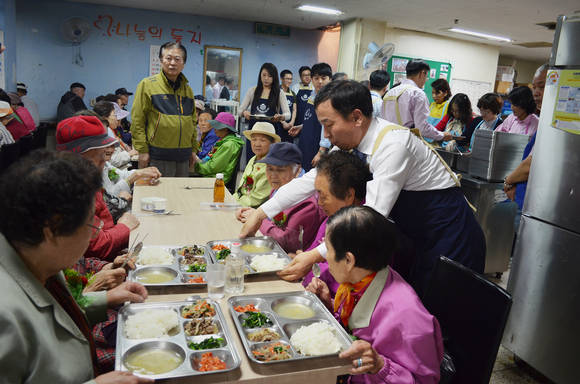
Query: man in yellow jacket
x=163, y=116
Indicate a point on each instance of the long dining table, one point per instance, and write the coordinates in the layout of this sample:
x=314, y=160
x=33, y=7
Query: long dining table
x=194, y=221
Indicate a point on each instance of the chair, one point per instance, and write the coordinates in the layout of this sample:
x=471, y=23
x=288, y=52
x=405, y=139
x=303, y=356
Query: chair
x=40, y=136
x=26, y=144
x=472, y=313
x=231, y=185
x=9, y=153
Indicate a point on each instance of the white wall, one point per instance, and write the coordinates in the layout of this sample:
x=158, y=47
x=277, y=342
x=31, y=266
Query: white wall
x=470, y=61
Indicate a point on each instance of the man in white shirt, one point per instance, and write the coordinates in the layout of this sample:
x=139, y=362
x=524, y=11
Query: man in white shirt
x=410, y=184
x=378, y=83
x=22, y=91
x=407, y=103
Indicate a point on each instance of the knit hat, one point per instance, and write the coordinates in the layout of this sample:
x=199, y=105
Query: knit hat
x=80, y=134
x=224, y=120
x=263, y=128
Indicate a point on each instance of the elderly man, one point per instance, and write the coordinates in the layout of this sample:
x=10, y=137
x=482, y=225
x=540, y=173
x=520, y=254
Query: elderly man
x=163, y=119
x=296, y=226
x=87, y=136
x=411, y=184
x=407, y=103
x=71, y=102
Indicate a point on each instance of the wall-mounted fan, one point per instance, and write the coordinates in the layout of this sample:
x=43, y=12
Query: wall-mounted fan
x=76, y=30
x=376, y=58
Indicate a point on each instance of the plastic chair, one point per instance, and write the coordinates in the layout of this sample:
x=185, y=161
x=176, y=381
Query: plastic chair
x=9, y=153
x=472, y=313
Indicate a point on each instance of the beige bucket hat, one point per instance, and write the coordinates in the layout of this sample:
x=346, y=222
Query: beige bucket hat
x=263, y=128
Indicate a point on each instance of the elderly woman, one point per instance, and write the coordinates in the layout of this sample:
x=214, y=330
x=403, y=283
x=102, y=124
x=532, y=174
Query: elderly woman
x=340, y=182
x=207, y=138
x=398, y=341
x=254, y=188
x=224, y=156
x=111, y=115
x=522, y=120
x=283, y=163
x=45, y=228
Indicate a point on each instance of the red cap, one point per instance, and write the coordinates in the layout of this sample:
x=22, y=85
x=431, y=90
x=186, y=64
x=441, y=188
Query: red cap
x=79, y=134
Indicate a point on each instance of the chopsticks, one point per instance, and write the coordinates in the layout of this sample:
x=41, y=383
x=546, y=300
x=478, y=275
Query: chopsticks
x=134, y=250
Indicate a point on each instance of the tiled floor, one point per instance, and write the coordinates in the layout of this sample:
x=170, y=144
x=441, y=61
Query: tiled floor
x=506, y=370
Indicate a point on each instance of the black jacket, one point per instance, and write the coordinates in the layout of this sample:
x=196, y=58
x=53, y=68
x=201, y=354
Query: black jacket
x=69, y=104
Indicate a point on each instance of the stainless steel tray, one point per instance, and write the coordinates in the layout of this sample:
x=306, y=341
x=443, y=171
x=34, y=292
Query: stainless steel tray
x=262, y=241
x=285, y=327
x=177, y=342
x=177, y=268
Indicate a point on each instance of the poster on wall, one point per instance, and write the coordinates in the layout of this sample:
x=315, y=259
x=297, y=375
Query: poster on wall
x=154, y=62
x=2, y=69
x=567, y=110
x=399, y=65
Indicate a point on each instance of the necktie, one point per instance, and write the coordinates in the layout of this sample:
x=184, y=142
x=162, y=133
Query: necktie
x=359, y=154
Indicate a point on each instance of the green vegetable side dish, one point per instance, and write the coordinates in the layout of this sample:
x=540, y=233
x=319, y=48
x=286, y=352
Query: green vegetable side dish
x=207, y=344
x=197, y=268
x=220, y=255
x=278, y=349
x=256, y=320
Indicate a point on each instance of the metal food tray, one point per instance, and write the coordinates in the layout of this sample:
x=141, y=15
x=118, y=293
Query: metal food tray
x=285, y=327
x=177, y=342
x=176, y=268
x=267, y=241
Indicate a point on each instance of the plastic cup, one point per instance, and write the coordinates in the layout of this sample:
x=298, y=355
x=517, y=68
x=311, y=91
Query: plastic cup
x=216, y=280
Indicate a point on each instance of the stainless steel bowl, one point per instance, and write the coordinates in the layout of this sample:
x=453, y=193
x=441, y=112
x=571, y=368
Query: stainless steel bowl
x=155, y=345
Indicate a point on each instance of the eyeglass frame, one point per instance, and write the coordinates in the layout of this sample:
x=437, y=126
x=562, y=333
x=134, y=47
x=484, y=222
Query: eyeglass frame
x=96, y=228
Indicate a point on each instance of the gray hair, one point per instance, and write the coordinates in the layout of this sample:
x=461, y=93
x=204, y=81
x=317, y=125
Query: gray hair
x=541, y=68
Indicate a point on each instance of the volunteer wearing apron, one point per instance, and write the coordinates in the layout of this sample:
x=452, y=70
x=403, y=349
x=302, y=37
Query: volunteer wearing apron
x=441, y=94
x=310, y=139
x=286, y=80
x=411, y=183
x=302, y=90
x=265, y=100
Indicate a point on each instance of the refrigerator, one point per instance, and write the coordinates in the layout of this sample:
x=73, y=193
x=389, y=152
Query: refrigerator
x=544, y=324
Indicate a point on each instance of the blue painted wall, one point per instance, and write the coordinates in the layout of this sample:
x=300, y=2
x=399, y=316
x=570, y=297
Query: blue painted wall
x=8, y=25
x=45, y=61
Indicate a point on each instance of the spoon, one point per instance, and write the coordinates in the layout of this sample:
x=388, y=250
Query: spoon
x=316, y=270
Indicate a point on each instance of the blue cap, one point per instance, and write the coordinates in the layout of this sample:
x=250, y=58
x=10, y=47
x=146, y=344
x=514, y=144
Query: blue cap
x=282, y=154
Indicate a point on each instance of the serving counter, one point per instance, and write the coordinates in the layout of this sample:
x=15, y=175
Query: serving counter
x=190, y=222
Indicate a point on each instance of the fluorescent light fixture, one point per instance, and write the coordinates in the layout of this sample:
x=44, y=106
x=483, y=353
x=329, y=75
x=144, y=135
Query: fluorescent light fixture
x=479, y=34
x=315, y=9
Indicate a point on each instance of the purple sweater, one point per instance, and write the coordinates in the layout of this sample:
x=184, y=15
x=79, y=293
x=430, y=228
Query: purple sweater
x=390, y=316
x=306, y=214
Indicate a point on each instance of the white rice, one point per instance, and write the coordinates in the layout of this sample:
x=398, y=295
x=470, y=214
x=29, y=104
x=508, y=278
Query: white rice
x=269, y=262
x=150, y=323
x=154, y=256
x=316, y=339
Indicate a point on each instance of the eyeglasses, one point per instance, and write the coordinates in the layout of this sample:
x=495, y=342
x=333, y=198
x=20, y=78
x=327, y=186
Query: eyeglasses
x=97, y=225
x=169, y=59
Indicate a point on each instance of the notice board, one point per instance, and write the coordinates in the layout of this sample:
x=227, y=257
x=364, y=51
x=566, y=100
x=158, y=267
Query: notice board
x=439, y=70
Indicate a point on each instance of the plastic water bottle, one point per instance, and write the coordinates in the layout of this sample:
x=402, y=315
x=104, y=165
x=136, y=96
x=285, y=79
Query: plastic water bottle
x=219, y=189
x=235, y=270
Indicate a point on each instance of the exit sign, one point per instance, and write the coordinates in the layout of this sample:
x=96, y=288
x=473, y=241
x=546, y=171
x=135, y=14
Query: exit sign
x=272, y=29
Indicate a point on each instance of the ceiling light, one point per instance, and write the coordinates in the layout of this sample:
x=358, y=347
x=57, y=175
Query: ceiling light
x=479, y=34
x=326, y=11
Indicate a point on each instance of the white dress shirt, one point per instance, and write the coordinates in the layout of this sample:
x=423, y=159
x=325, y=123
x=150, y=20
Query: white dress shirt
x=402, y=161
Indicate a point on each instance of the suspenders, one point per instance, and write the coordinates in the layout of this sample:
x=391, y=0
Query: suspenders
x=396, y=100
x=415, y=131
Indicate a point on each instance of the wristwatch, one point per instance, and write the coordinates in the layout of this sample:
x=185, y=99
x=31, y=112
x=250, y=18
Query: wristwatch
x=506, y=185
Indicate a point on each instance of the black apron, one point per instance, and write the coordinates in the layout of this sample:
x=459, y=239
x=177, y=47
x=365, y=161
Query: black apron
x=309, y=139
x=301, y=104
